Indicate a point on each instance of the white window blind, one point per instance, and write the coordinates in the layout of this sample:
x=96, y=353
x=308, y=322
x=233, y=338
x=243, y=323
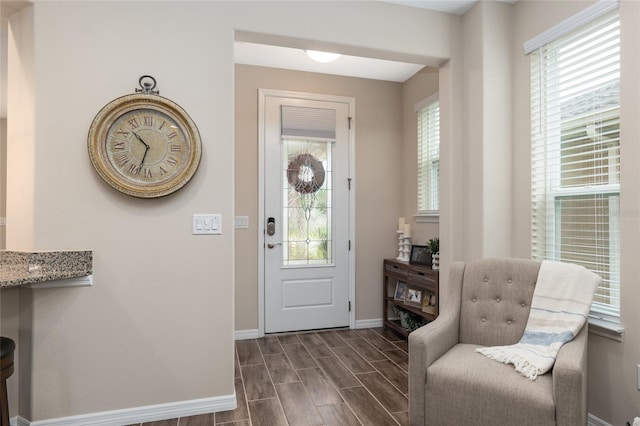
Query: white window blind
x=308, y=122
x=575, y=133
x=429, y=158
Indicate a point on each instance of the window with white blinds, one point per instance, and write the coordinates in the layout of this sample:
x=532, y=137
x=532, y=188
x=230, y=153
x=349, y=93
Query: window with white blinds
x=575, y=153
x=428, y=157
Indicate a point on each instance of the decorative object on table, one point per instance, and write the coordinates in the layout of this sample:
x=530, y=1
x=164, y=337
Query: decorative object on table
x=401, y=290
x=404, y=240
x=420, y=255
x=403, y=315
x=429, y=304
x=435, y=262
x=409, y=320
x=143, y=144
x=414, y=297
x=434, y=249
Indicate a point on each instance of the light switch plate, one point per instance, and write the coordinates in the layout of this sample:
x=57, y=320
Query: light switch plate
x=207, y=224
x=242, y=222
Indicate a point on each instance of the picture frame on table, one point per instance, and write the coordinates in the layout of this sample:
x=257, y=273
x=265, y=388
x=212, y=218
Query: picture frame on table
x=401, y=290
x=420, y=255
x=414, y=297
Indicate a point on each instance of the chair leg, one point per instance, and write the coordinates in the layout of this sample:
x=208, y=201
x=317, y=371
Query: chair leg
x=4, y=404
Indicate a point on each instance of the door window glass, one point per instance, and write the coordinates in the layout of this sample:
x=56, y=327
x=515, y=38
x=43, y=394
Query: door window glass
x=307, y=202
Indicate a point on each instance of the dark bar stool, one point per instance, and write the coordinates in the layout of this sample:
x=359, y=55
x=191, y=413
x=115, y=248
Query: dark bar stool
x=7, y=347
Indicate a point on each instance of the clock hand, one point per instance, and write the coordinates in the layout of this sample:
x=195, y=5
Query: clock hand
x=146, y=149
x=145, y=154
x=140, y=139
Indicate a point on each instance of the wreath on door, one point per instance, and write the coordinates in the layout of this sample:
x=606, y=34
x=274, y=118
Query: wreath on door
x=305, y=174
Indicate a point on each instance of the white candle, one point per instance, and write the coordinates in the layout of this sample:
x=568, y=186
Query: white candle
x=407, y=229
x=400, y=223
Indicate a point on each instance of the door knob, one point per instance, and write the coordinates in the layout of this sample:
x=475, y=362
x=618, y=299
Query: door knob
x=273, y=245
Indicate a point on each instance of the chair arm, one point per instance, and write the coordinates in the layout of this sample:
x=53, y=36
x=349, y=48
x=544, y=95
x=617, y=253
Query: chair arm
x=430, y=342
x=569, y=377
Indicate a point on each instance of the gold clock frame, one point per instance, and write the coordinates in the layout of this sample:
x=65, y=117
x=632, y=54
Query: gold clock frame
x=109, y=114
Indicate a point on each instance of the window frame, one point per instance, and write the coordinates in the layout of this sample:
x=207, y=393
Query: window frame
x=604, y=316
x=427, y=215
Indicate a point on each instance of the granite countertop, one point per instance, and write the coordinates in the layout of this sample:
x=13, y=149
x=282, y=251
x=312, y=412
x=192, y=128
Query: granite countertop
x=21, y=267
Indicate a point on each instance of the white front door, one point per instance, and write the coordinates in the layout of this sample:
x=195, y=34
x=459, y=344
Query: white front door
x=306, y=214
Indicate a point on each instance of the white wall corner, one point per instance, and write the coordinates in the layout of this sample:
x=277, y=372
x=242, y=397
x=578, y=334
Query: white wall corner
x=19, y=421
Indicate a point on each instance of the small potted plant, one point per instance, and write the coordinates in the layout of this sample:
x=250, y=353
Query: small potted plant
x=408, y=320
x=434, y=249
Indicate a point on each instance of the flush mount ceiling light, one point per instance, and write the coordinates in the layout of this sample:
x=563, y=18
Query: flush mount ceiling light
x=322, y=56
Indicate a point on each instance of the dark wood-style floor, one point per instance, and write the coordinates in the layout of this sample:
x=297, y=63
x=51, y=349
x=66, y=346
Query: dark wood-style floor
x=338, y=377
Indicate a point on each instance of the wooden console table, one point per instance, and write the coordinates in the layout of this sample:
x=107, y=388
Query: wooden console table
x=413, y=288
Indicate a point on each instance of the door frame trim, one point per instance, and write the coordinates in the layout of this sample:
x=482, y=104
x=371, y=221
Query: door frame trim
x=262, y=95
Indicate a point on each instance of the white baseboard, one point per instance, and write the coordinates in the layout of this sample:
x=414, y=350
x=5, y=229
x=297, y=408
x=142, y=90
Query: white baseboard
x=370, y=323
x=246, y=334
x=144, y=414
x=594, y=421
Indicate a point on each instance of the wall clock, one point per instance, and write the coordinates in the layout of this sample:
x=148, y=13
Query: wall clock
x=143, y=144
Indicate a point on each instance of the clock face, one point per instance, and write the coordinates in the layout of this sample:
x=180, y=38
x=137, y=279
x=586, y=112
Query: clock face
x=144, y=145
x=147, y=146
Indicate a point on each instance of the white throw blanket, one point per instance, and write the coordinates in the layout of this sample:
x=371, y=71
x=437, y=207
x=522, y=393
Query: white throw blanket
x=561, y=302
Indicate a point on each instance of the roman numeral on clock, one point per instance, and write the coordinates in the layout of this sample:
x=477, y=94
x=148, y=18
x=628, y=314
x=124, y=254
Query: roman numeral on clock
x=122, y=159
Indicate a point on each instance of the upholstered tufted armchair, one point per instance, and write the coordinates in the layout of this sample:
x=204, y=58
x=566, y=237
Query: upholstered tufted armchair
x=487, y=303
